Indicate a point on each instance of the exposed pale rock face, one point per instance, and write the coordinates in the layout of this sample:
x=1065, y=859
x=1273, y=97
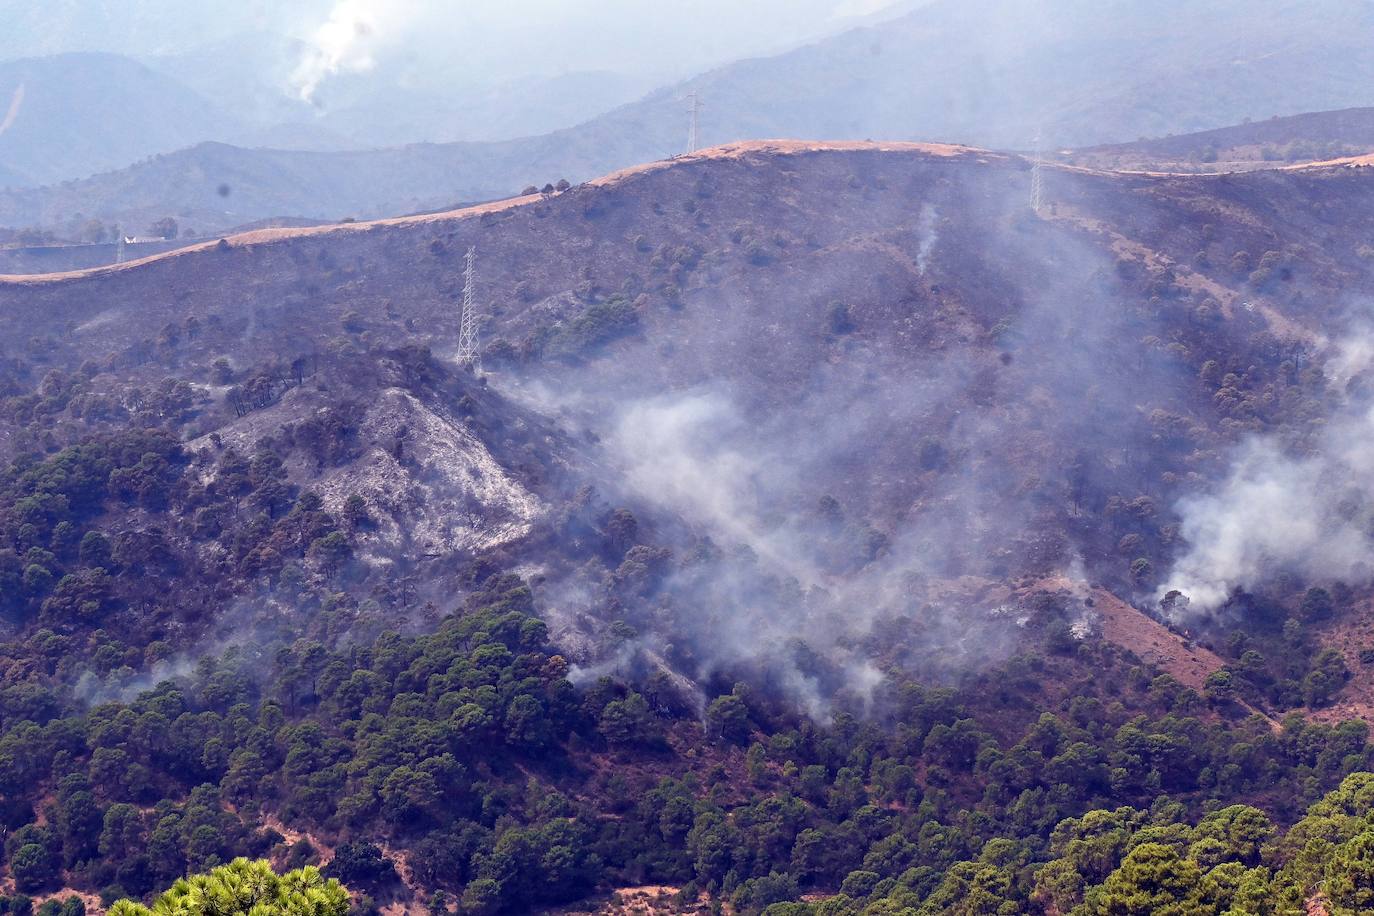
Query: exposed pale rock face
x=444, y=493
x=432, y=487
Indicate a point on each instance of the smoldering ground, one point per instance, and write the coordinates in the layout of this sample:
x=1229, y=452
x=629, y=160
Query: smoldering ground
x=787, y=538
x=1298, y=503
x=811, y=482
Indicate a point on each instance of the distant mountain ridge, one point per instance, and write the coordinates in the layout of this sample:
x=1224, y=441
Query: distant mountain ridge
x=999, y=73
x=74, y=114
x=992, y=73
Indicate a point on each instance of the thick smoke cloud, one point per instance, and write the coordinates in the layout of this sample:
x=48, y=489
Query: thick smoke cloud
x=1300, y=509
x=676, y=453
x=1274, y=513
x=795, y=581
x=347, y=41
x=786, y=583
x=876, y=512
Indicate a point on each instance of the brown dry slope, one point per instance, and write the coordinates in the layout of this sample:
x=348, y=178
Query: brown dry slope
x=1155, y=643
x=1351, y=634
x=1124, y=625
x=1151, y=641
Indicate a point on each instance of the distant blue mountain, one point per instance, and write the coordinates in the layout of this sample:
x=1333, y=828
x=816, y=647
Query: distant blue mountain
x=77, y=114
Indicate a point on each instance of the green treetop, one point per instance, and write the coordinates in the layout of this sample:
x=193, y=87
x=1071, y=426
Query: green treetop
x=248, y=888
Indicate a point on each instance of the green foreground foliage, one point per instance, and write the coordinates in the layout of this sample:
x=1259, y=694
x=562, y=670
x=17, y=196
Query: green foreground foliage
x=244, y=888
x=1130, y=862
x=512, y=790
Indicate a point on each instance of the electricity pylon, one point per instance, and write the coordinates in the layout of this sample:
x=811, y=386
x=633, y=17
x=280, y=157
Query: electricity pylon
x=1037, y=199
x=468, y=354
x=694, y=131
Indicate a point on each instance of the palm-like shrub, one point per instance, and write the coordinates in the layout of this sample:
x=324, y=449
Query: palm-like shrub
x=245, y=888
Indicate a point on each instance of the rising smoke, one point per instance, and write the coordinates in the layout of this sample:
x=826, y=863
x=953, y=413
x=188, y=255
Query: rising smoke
x=855, y=499
x=1305, y=509
x=12, y=112
x=347, y=42
x=929, y=236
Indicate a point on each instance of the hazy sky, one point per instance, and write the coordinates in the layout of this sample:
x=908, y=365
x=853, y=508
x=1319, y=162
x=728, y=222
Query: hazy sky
x=485, y=41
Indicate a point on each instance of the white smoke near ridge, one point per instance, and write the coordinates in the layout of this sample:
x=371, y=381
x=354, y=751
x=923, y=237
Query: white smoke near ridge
x=479, y=44
x=929, y=236
x=347, y=41
x=12, y=113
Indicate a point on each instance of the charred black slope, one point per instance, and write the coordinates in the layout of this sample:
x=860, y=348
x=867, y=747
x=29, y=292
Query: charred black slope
x=873, y=369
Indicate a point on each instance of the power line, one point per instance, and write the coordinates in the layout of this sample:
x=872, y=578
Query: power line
x=468, y=354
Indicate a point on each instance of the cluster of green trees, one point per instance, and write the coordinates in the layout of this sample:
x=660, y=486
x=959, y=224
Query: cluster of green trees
x=513, y=790
x=1133, y=862
x=67, y=570
x=597, y=325
x=55, y=565
x=22, y=905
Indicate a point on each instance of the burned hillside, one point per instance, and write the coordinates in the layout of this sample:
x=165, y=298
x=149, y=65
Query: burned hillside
x=892, y=321
x=842, y=453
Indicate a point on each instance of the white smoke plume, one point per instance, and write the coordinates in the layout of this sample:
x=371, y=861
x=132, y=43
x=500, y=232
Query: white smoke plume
x=347, y=42
x=12, y=113
x=675, y=455
x=930, y=234
x=1308, y=513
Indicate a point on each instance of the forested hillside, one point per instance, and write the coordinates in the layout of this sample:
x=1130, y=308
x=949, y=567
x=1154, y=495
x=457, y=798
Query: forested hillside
x=825, y=529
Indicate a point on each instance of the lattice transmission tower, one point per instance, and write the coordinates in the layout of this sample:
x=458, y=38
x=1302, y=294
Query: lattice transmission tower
x=468, y=354
x=1037, y=197
x=694, y=130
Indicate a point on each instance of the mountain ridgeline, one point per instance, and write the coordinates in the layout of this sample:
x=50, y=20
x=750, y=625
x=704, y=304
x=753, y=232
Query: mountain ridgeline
x=820, y=523
x=992, y=73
